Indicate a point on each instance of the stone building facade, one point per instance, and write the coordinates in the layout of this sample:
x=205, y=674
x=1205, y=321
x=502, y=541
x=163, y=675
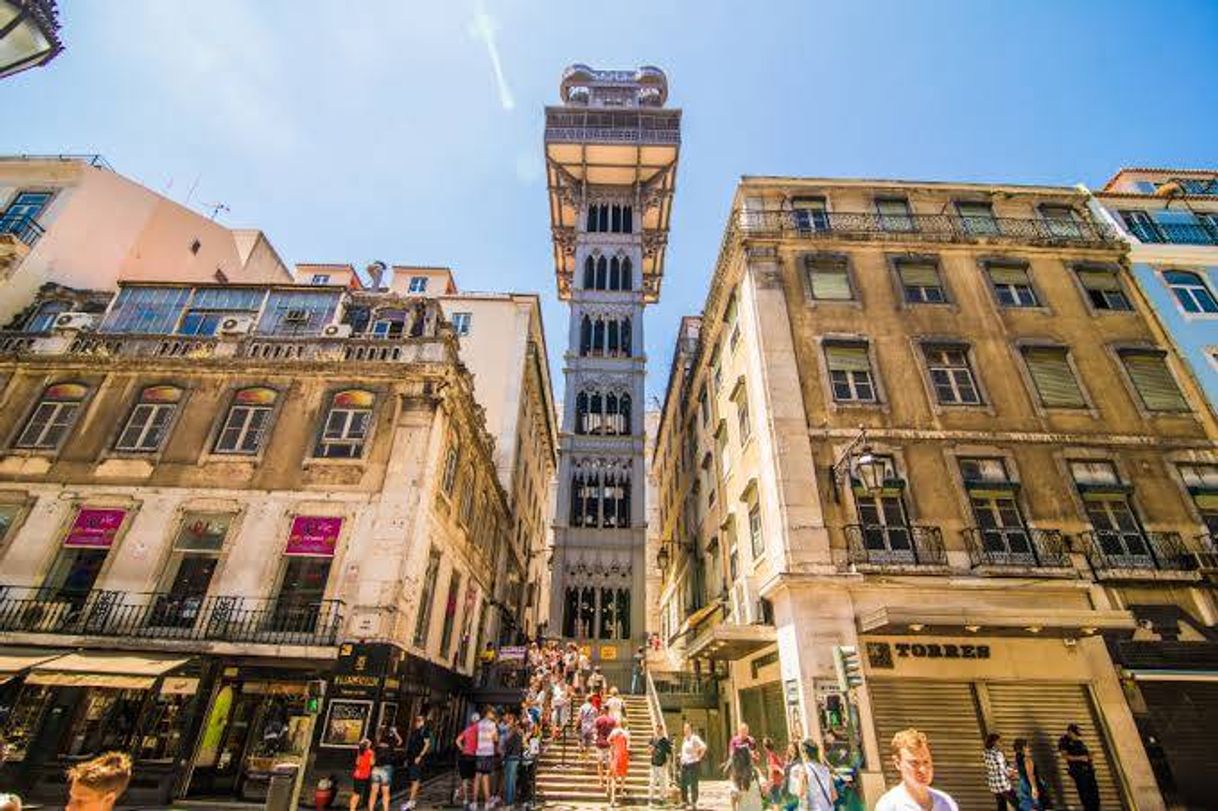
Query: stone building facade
x=239, y=525
x=932, y=431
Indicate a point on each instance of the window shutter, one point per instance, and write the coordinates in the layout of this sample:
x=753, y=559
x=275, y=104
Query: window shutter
x=1099, y=280
x=1054, y=381
x=1154, y=382
x=847, y=358
x=1008, y=275
x=829, y=279
x=1206, y=501
x=923, y=274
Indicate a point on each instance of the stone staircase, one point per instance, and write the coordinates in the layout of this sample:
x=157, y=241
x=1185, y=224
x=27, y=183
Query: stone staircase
x=561, y=777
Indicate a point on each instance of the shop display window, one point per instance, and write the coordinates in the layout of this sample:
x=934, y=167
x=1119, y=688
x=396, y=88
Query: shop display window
x=346, y=722
x=105, y=720
x=24, y=721
x=163, y=727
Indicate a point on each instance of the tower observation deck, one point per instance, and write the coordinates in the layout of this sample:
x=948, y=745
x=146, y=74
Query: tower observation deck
x=611, y=164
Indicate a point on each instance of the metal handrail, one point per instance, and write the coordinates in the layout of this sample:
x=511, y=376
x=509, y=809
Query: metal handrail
x=812, y=224
x=653, y=704
x=1109, y=549
x=162, y=615
x=1017, y=546
x=895, y=545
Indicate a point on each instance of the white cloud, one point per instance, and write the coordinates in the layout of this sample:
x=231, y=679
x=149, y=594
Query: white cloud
x=483, y=27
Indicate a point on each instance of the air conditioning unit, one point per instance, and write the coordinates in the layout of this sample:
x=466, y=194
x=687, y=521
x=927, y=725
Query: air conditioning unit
x=336, y=331
x=75, y=321
x=237, y=325
x=296, y=317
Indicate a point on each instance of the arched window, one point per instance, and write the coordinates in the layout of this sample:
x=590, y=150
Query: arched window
x=149, y=421
x=615, y=274
x=570, y=613
x=613, y=342
x=589, y=273
x=628, y=219
x=602, y=272
x=53, y=417
x=623, y=414
x=587, y=611
x=346, y=426
x=581, y=413
x=627, y=281
x=598, y=337
x=603, y=218
x=608, y=613
x=616, y=225
x=247, y=422
x=585, y=335
x=596, y=415
x=623, y=613
x=1191, y=291
x=590, y=227
x=626, y=337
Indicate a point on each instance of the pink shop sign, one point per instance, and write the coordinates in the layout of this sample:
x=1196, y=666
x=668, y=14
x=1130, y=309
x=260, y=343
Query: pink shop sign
x=316, y=536
x=95, y=528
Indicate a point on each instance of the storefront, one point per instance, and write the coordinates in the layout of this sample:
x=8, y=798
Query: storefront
x=957, y=689
x=77, y=705
x=258, y=715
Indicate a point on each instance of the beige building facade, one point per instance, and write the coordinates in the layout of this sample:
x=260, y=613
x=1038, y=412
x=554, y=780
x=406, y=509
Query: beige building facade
x=265, y=527
x=932, y=431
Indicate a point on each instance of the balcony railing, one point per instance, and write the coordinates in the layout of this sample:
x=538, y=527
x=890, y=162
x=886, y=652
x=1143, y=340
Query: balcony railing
x=1205, y=553
x=922, y=227
x=1117, y=550
x=25, y=229
x=1017, y=547
x=1177, y=233
x=895, y=546
x=168, y=616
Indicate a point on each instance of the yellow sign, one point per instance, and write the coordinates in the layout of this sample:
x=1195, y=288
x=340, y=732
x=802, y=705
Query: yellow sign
x=586, y=650
x=357, y=681
x=608, y=652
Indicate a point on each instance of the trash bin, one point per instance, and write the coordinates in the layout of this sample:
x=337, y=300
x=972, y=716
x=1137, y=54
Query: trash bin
x=283, y=783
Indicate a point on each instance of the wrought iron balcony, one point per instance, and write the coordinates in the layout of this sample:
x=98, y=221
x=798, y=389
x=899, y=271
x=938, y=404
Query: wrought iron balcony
x=1111, y=550
x=168, y=616
x=1022, y=547
x=888, y=545
x=25, y=229
x=813, y=225
x=1205, y=553
x=1175, y=233
x=623, y=126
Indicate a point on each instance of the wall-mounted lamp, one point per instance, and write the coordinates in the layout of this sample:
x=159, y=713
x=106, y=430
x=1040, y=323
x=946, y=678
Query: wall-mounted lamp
x=858, y=463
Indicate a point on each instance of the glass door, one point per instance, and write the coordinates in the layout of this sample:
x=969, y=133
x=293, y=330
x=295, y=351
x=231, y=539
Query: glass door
x=1117, y=531
x=885, y=528
x=1002, y=535
x=300, y=594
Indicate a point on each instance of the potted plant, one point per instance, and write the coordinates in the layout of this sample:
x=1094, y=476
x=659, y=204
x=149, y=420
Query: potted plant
x=323, y=795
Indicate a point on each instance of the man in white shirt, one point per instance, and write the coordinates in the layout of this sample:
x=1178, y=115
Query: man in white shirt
x=911, y=754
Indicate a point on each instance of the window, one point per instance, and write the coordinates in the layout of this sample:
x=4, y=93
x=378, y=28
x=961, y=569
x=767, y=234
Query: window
x=742, y=412
x=1202, y=482
x=247, y=421
x=450, y=611
x=850, y=372
x=1191, y=291
x=346, y=425
x=147, y=310
x=1061, y=221
x=1050, y=369
x=53, y=417
x=1118, y=535
x=208, y=307
x=1094, y=473
x=389, y=323
x=610, y=218
x=884, y=530
x=604, y=336
x=298, y=312
x=451, y=459
x=1142, y=226
x=22, y=212
x=320, y=278
x=150, y=419
x=828, y=278
x=422, y=624
x=984, y=470
x=1103, y=289
x=703, y=406
x=600, y=494
x=920, y=282
x=461, y=322
x=755, y=537
x=725, y=458
x=1000, y=528
x=196, y=551
x=1012, y=286
x=951, y=375
x=1147, y=369
x=1197, y=185
x=598, y=412
x=44, y=317
x=811, y=213
x=977, y=218
x=418, y=284
x=465, y=509
x=894, y=214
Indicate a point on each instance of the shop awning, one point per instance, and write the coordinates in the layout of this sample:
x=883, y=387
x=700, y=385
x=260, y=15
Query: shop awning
x=126, y=671
x=728, y=642
x=18, y=660
x=1044, y=622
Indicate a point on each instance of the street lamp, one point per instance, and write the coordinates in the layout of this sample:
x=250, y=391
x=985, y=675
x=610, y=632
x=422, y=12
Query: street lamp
x=864, y=466
x=662, y=558
x=29, y=35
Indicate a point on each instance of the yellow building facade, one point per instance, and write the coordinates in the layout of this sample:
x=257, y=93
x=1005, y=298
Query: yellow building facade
x=934, y=426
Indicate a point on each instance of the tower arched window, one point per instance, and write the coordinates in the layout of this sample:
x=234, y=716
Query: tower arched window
x=616, y=224
x=603, y=219
x=598, y=337
x=625, y=350
x=590, y=226
x=589, y=273
x=605, y=336
x=627, y=281
x=627, y=219
x=585, y=335
x=615, y=274
x=602, y=272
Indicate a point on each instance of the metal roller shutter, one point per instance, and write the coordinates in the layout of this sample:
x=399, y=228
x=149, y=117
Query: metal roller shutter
x=947, y=713
x=1185, y=716
x=1040, y=713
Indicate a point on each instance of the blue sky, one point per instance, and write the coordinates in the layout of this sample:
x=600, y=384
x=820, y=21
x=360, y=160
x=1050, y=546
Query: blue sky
x=380, y=130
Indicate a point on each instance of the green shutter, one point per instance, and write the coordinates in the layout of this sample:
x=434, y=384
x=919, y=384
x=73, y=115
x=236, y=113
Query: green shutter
x=920, y=274
x=1054, y=380
x=847, y=358
x=829, y=280
x=1008, y=275
x=1206, y=501
x=1099, y=280
x=1153, y=380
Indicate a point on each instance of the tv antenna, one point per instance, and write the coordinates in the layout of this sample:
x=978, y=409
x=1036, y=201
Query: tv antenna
x=216, y=208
